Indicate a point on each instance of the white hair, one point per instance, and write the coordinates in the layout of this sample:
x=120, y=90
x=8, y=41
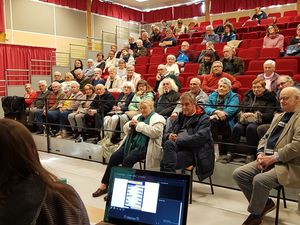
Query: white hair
x=43, y=82
x=209, y=27
x=173, y=86
x=270, y=62
x=128, y=84
x=225, y=81
x=171, y=57
x=73, y=82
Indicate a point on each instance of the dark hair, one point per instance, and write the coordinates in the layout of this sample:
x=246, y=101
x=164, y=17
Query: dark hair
x=19, y=157
x=100, y=53
x=143, y=82
x=230, y=26
x=79, y=60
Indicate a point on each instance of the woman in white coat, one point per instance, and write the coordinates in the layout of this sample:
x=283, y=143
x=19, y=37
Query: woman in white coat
x=143, y=141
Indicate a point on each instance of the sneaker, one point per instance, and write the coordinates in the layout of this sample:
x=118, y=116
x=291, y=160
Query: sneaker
x=270, y=205
x=253, y=220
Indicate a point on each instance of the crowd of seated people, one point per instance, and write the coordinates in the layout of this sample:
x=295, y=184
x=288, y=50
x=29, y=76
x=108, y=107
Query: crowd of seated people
x=103, y=77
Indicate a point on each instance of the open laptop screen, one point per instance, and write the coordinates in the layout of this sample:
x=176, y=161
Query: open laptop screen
x=146, y=197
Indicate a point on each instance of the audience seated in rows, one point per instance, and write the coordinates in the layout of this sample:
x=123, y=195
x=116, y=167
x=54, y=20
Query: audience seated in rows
x=188, y=141
x=169, y=40
x=112, y=120
x=142, y=142
x=131, y=76
x=210, y=35
x=232, y=64
x=185, y=54
x=77, y=65
x=30, y=95
x=100, y=62
x=210, y=82
x=180, y=28
x=167, y=95
x=155, y=36
x=222, y=108
x=209, y=46
x=76, y=118
x=273, y=38
x=113, y=82
x=88, y=71
x=81, y=78
x=162, y=73
x=277, y=160
x=293, y=49
x=269, y=75
x=101, y=105
x=97, y=77
x=206, y=63
x=55, y=99
x=257, y=107
x=172, y=66
x=140, y=50
x=228, y=34
x=121, y=69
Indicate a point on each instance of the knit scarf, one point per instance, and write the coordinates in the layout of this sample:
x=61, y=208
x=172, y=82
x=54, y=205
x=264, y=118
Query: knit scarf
x=136, y=141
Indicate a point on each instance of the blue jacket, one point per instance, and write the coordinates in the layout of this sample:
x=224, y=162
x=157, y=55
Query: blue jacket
x=230, y=100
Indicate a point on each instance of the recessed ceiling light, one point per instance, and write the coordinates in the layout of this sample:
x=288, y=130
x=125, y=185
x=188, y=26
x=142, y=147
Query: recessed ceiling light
x=141, y=0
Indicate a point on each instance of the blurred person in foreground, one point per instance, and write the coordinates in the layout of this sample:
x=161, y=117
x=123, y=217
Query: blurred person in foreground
x=29, y=194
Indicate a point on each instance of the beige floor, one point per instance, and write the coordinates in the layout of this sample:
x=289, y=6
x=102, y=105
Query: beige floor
x=226, y=207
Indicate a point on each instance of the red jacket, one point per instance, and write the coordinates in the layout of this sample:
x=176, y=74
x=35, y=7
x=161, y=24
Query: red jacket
x=210, y=82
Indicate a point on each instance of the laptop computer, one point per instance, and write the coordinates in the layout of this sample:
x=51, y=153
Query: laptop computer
x=146, y=197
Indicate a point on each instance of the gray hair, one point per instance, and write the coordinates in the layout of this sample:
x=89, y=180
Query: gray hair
x=218, y=62
x=73, y=82
x=112, y=69
x=130, y=67
x=56, y=83
x=270, y=62
x=225, y=81
x=78, y=71
x=171, y=56
x=139, y=41
x=97, y=70
x=43, y=82
x=209, y=27
x=189, y=96
x=173, y=86
x=128, y=84
x=185, y=43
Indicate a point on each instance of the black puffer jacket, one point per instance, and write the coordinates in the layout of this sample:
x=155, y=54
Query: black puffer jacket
x=264, y=104
x=198, y=140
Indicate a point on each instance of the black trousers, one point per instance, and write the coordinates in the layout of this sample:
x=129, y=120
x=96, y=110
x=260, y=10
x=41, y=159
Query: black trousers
x=118, y=158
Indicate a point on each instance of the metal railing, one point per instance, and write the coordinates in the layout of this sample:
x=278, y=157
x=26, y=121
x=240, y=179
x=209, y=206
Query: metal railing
x=78, y=51
x=17, y=76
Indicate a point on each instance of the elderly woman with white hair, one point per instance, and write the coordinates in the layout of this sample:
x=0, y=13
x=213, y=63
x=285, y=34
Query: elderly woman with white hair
x=68, y=106
x=168, y=97
x=131, y=76
x=112, y=119
x=172, y=66
x=97, y=78
x=121, y=69
x=113, y=82
x=222, y=107
x=142, y=142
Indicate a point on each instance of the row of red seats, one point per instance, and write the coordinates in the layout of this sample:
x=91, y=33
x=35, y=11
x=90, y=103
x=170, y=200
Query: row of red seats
x=289, y=16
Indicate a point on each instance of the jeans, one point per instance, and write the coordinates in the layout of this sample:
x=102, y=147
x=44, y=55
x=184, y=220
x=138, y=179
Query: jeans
x=175, y=158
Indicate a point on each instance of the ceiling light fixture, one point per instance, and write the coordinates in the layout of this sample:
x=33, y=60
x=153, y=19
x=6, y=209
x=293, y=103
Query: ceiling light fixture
x=141, y=0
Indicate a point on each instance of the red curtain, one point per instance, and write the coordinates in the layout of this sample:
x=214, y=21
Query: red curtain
x=116, y=11
x=221, y=6
x=187, y=11
x=2, y=22
x=158, y=15
x=19, y=56
x=76, y=4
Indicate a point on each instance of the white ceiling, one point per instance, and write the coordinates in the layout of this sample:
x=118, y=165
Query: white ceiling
x=152, y=4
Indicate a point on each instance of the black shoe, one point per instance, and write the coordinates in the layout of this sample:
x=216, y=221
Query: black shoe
x=99, y=192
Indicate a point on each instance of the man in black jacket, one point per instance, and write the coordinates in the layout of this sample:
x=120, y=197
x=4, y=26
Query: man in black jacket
x=188, y=141
x=101, y=105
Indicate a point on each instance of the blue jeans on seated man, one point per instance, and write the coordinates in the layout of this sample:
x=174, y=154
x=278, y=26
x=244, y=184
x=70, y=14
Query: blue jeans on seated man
x=175, y=158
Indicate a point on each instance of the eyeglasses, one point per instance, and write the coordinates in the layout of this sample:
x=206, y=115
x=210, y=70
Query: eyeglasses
x=281, y=84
